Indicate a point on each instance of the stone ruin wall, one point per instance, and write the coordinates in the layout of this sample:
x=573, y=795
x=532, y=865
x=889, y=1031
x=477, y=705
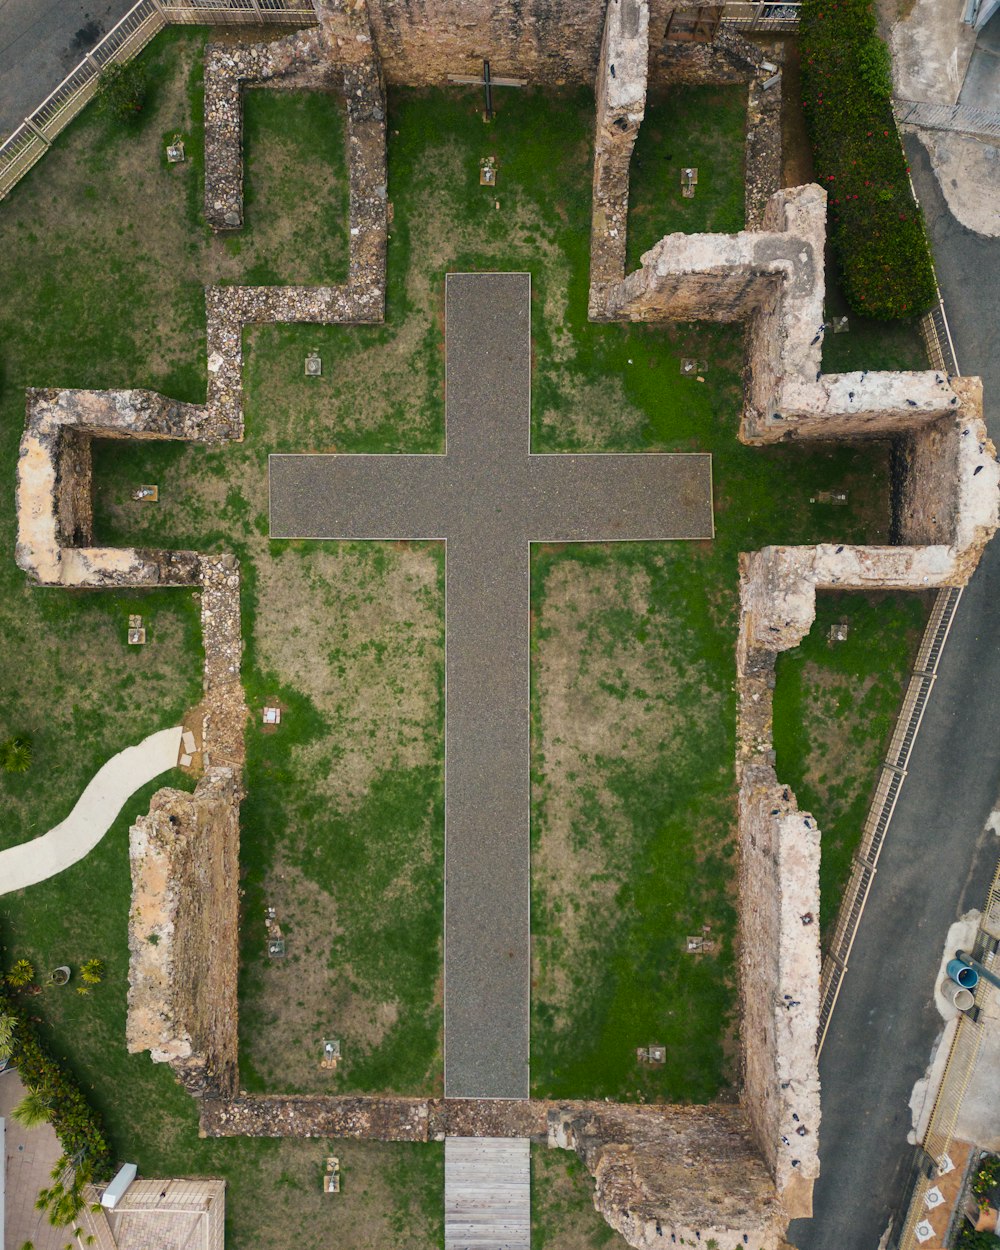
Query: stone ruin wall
x=694, y=1174
x=644, y=1170
x=184, y=933
x=771, y=277
x=659, y=1171
x=551, y=43
x=627, y=65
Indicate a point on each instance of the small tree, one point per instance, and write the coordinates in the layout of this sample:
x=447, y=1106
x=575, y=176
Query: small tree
x=21, y=974
x=121, y=89
x=15, y=755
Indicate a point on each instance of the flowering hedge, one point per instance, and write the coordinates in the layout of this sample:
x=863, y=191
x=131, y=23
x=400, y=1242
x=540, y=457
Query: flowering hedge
x=77, y=1126
x=876, y=228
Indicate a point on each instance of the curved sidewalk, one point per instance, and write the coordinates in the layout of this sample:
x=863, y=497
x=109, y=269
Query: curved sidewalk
x=93, y=814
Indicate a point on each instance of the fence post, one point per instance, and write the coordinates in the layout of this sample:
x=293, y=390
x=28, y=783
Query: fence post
x=35, y=130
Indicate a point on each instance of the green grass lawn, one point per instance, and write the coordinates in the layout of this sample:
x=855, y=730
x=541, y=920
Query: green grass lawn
x=343, y=822
x=835, y=708
x=703, y=127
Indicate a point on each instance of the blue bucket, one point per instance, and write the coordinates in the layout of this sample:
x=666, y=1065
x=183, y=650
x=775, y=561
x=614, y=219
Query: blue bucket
x=968, y=978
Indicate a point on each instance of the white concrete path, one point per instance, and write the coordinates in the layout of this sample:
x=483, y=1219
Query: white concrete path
x=93, y=815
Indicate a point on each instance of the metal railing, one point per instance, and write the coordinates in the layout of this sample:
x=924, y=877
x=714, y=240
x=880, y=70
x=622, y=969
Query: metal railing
x=761, y=14
x=32, y=139
x=238, y=12
x=883, y=803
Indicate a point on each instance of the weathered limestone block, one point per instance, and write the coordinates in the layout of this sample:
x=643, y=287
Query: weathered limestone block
x=694, y=1174
x=183, y=933
x=779, y=977
x=54, y=487
x=621, y=105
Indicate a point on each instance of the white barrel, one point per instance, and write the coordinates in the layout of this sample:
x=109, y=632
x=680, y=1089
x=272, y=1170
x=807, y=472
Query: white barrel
x=957, y=994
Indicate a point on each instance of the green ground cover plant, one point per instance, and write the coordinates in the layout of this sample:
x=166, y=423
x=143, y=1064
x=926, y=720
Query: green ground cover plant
x=351, y=776
x=876, y=227
x=563, y=1216
x=699, y=126
x=835, y=708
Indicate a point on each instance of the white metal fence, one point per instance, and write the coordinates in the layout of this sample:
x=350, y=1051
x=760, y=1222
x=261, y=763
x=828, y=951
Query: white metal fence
x=32, y=138
x=761, y=14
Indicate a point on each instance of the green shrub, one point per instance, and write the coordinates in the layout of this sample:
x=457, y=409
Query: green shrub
x=77, y=1126
x=121, y=89
x=876, y=228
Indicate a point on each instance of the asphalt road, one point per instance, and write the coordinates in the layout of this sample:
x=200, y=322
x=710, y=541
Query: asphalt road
x=40, y=42
x=937, y=860
x=489, y=498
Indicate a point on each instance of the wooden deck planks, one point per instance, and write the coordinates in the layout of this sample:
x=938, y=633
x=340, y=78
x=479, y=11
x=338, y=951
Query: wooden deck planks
x=487, y=1188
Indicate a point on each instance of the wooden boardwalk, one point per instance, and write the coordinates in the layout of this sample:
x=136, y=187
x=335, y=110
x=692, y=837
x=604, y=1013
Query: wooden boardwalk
x=487, y=1193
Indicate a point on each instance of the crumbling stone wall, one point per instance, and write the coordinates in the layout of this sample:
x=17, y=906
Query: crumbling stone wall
x=621, y=104
x=693, y=1175
x=659, y=1171
x=780, y=845
x=628, y=53
x=54, y=488
x=774, y=279
x=549, y=42
x=183, y=933
x=729, y=58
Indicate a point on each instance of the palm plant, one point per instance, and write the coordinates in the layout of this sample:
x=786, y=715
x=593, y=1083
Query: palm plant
x=15, y=755
x=7, y=1028
x=33, y=1110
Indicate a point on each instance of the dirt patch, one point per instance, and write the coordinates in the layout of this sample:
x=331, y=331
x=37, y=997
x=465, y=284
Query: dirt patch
x=388, y=1192
x=606, y=694
x=303, y=1000
x=358, y=629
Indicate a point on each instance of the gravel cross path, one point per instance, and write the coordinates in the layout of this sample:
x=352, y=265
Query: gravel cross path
x=489, y=499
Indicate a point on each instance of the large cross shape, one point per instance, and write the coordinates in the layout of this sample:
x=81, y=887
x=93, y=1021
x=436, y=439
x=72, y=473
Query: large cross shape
x=489, y=498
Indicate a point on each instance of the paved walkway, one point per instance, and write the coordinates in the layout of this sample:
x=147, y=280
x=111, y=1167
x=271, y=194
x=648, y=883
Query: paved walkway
x=937, y=859
x=487, y=1193
x=93, y=815
x=489, y=498
x=29, y=1155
